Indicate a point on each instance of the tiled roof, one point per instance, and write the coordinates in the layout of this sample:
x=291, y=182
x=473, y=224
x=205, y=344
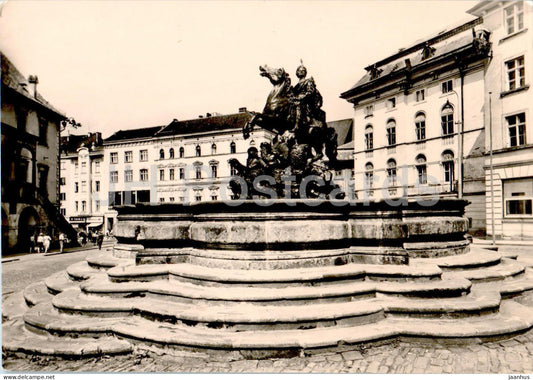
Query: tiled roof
x=344, y=130
x=14, y=79
x=207, y=124
x=130, y=134
x=71, y=143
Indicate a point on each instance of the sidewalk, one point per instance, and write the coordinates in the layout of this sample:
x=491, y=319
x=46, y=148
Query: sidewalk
x=89, y=246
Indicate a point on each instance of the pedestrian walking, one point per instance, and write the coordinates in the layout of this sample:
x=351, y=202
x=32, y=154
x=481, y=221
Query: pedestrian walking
x=100, y=240
x=46, y=243
x=40, y=242
x=33, y=243
x=61, y=242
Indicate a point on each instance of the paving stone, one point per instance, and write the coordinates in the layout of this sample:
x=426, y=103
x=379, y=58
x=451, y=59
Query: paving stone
x=351, y=355
x=373, y=367
x=421, y=362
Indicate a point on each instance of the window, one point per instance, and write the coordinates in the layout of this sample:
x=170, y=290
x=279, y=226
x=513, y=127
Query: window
x=128, y=156
x=62, y=196
x=391, y=172
x=214, y=197
x=43, y=132
x=97, y=205
x=421, y=168
x=83, y=206
x=182, y=152
x=517, y=129
x=62, y=181
x=369, y=111
x=391, y=132
x=171, y=199
x=514, y=17
x=143, y=175
x=198, y=170
x=97, y=185
x=114, y=177
x=76, y=206
x=233, y=171
x=420, y=95
x=76, y=167
x=369, y=137
x=171, y=153
x=97, y=167
x=76, y=187
x=198, y=151
x=161, y=200
x=232, y=147
x=391, y=103
x=63, y=211
x=516, y=73
x=161, y=154
x=369, y=175
x=84, y=167
x=214, y=148
x=214, y=169
x=446, y=117
x=171, y=174
x=83, y=186
x=113, y=156
x=161, y=174
x=518, y=197
x=448, y=166
x=420, y=126
x=447, y=86
x=143, y=155
x=198, y=198
x=182, y=173
x=128, y=176
x=43, y=178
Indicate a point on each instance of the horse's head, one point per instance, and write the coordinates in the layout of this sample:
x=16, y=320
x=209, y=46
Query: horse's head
x=276, y=76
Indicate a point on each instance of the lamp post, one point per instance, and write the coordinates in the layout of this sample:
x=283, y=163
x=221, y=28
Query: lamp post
x=460, y=126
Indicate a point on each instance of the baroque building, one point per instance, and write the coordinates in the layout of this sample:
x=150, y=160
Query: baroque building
x=507, y=104
x=30, y=134
x=419, y=121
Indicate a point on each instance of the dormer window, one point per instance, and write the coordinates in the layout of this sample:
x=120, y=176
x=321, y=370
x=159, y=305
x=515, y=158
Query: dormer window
x=374, y=72
x=427, y=52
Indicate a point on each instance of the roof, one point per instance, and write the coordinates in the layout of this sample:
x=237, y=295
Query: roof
x=13, y=79
x=71, y=143
x=344, y=129
x=130, y=134
x=443, y=43
x=207, y=124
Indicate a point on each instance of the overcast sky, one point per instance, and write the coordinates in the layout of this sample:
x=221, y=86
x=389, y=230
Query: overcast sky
x=131, y=64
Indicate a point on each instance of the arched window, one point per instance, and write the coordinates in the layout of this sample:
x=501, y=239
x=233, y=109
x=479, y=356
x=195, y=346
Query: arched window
x=198, y=151
x=420, y=126
x=369, y=175
x=182, y=152
x=369, y=137
x=161, y=154
x=171, y=153
x=214, y=148
x=448, y=166
x=391, y=172
x=446, y=117
x=232, y=148
x=421, y=168
x=391, y=132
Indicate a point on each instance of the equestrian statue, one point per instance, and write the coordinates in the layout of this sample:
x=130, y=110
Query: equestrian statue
x=304, y=147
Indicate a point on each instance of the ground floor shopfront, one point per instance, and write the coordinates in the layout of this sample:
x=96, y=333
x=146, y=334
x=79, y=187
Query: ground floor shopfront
x=509, y=189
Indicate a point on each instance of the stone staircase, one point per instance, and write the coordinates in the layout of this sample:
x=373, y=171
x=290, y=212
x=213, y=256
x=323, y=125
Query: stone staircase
x=196, y=299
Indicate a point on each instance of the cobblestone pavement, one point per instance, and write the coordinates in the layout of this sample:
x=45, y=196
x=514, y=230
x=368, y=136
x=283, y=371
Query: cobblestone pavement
x=508, y=356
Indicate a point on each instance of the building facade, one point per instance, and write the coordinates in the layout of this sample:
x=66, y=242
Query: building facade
x=508, y=99
x=30, y=133
x=419, y=122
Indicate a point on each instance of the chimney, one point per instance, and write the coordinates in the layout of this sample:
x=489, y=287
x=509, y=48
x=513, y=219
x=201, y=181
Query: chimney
x=33, y=79
x=242, y=109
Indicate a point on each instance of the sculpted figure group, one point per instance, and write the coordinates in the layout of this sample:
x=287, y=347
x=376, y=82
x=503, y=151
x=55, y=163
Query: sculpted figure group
x=296, y=158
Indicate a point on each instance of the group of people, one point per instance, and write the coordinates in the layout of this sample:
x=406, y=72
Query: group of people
x=40, y=243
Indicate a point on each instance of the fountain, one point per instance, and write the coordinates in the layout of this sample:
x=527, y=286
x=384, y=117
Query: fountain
x=283, y=270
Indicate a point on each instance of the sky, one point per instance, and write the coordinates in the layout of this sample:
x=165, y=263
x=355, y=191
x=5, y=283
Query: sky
x=121, y=64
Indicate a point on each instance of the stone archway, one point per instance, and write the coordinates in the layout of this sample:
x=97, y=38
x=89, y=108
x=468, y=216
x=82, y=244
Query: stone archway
x=29, y=223
x=5, y=231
